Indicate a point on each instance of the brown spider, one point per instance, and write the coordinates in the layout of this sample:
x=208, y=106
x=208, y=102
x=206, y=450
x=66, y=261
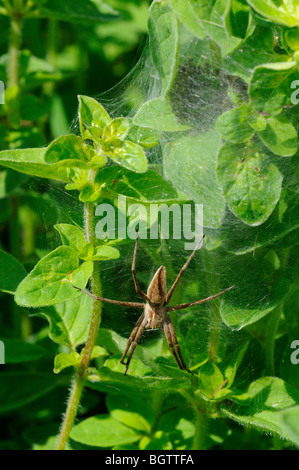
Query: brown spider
x=155, y=312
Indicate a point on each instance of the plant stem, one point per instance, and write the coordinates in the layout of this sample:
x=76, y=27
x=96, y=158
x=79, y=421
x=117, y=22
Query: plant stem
x=201, y=419
x=79, y=379
x=199, y=438
x=14, y=49
x=71, y=411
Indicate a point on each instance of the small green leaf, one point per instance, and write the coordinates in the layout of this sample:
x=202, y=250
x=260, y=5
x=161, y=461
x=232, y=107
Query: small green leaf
x=130, y=156
x=163, y=41
x=143, y=136
x=69, y=147
x=71, y=235
x=116, y=131
x=212, y=17
x=98, y=351
x=103, y=253
x=91, y=114
x=131, y=411
x=114, y=181
x=237, y=18
x=64, y=360
x=281, y=12
x=12, y=272
x=270, y=86
x=51, y=280
x=210, y=379
x=69, y=321
x=231, y=363
x=187, y=16
x=158, y=115
x=103, y=431
x=234, y=125
x=251, y=183
x=280, y=136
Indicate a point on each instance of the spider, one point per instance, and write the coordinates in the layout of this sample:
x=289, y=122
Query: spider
x=155, y=309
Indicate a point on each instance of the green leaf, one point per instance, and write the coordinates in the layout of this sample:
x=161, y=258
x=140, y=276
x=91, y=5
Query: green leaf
x=18, y=350
x=163, y=41
x=238, y=238
x=240, y=311
x=69, y=321
x=234, y=125
x=262, y=403
x=270, y=86
x=64, y=360
x=69, y=147
x=280, y=136
x=242, y=61
x=103, y=253
x=212, y=17
x=31, y=162
x=158, y=115
x=284, y=12
x=186, y=14
x=116, y=131
x=210, y=379
x=143, y=136
x=190, y=165
x=133, y=411
x=71, y=235
x=91, y=114
x=103, y=431
x=12, y=272
x=114, y=181
x=51, y=280
x=237, y=18
x=130, y=156
x=231, y=363
x=289, y=422
x=20, y=388
x=90, y=11
x=251, y=183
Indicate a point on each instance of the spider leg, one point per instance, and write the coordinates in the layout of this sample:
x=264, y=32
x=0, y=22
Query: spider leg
x=137, y=287
x=171, y=290
x=115, y=302
x=133, y=341
x=173, y=344
x=196, y=302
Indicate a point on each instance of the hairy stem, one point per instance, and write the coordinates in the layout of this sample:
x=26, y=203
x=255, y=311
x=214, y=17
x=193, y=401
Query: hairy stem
x=79, y=379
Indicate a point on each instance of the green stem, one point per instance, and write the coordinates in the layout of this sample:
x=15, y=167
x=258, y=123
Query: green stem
x=201, y=419
x=199, y=438
x=71, y=411
x=51, y=53
x=79, y=379
x=14, y=48
x=269, y=345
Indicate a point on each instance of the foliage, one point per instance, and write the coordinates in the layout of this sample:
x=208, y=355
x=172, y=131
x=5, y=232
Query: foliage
x=217, y=126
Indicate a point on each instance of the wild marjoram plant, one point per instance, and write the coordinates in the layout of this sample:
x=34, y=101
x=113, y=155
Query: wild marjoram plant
x=220, y=110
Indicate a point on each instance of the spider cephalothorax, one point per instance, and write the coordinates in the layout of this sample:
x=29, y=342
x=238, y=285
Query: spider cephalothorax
x=155, y=309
